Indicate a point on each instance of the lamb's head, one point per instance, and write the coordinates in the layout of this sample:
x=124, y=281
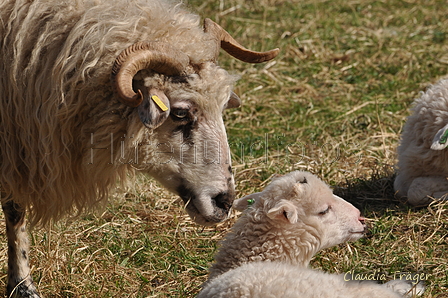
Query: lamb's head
x=181, y=104
x=300, y=200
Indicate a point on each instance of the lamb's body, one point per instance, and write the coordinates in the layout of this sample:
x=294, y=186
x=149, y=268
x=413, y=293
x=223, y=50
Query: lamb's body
x=422, y=158
x=276, y=279
x=92, y=91
x=267, y=250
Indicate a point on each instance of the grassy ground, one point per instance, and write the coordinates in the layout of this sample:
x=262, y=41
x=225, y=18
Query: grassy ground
x=333, y=103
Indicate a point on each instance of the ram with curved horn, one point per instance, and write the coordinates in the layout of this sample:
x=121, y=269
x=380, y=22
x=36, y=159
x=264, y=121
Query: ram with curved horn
x=231, y=46
x=92, y=90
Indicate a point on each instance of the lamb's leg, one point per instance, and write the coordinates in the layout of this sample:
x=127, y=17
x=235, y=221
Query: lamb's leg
x=422, y=189
x=20, y=283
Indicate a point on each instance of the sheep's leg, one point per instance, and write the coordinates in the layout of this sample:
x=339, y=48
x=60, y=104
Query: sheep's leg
x=423, y=189
x=401, y=185
x=20, y=283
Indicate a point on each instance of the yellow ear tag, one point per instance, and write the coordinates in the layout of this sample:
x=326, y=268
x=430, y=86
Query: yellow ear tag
x=159, y=103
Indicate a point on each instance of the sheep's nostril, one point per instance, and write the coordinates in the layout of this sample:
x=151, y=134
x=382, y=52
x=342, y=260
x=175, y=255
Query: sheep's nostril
x=362, y=220
x=223, y=201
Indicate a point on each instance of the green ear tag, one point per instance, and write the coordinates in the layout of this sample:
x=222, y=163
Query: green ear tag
x=444, y=137
x=250, y=201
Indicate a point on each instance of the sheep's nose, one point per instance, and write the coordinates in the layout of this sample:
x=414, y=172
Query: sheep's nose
x=223, y=201
x=362, y=220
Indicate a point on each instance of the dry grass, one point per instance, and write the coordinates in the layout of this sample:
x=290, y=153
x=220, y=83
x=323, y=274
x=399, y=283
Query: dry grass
x=333, y=103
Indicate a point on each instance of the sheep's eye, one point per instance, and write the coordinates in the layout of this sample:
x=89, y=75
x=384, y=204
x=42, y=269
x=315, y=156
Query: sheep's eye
x=179, y=114
x=325, y=211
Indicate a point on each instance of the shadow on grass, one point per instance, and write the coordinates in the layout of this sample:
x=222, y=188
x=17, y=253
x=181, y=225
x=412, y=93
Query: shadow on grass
x=373, y=195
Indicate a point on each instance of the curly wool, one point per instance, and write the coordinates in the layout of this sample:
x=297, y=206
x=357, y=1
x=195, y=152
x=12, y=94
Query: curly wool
x=277, y=279
x=260, y=242
x=268, y=248
x=55, y=91
x=255, y=237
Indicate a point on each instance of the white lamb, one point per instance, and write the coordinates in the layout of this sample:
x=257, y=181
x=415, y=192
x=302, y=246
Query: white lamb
x=268, y=249
x=422, y=158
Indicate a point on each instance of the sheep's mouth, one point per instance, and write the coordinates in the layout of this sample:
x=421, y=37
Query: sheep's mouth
x=206, y=210
x=358, y=233
x=363, y=231
x=207, y=220
x=355, y=235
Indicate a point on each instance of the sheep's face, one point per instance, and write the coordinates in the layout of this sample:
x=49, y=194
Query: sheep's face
x=190, y=154
x=339, y=221
x=300, y=201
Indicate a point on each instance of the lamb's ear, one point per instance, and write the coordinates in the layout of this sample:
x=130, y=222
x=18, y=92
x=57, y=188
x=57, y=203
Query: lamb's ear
x=242, y=203
x=284, y=210
x=440, y=140
x=154, y=108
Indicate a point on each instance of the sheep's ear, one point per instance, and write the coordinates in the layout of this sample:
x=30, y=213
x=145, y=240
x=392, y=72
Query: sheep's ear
x=234, y=101
x=440, y=140
x=154, y=108
x=284, y=210
x=242, y=203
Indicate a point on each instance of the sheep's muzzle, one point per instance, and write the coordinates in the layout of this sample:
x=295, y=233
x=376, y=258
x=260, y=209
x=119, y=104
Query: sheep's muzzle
x=204, y=209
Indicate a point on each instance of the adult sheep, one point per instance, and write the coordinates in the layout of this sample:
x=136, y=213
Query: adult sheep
x=422, y=157
x=268, y=249
x=92, y=90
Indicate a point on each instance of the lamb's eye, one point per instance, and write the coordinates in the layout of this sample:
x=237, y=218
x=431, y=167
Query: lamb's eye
x=325, y=211
x=179, y=114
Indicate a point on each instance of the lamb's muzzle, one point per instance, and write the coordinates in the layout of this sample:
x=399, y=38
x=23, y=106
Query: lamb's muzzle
x=362, y=220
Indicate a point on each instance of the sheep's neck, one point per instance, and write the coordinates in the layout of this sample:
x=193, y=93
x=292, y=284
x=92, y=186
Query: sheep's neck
x=254, y=242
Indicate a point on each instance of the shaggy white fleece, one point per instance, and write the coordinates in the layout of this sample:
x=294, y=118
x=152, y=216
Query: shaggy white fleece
x=275, y=279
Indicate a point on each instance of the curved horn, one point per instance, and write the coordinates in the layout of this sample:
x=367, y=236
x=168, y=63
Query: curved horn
x=156, y=56
x=232, y=47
